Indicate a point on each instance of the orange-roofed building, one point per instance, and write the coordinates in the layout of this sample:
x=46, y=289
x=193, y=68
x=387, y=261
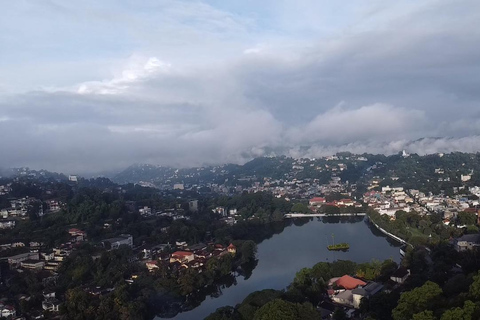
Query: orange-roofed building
x=182, y=256
x=349, y=283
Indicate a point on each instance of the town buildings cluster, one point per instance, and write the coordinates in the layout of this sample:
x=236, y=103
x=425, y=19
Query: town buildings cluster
x=185, y=257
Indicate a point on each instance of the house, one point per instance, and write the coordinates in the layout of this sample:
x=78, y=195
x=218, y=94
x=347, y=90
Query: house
x=7, y=224
x=182, y=256
x=115, y=243
x=467, y=242
x=400, y=275
x=7, y=311
x=369, y=290
x=344, y=298
x=51, y=304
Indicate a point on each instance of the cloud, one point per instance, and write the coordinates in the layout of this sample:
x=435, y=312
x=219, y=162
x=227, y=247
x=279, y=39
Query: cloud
x=133, y=73
x=191, y=83
x=421, y=146
x=339, y=125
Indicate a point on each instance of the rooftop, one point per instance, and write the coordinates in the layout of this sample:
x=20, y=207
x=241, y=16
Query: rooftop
x=349, y=283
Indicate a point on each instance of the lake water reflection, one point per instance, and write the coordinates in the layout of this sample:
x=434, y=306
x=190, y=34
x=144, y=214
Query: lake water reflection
x=299, y=246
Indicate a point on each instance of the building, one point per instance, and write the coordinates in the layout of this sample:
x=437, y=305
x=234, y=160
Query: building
x=151, y=265
x=32, y=264
x=77, y=234
x=365, y=292
x=344, y=298
x=145, y=211
x=178, y=186
x=349, y=283
x=73, y=178
x=193, y=205
x=7, y=311
x=182, y=256
x=17, y=259
x=232, y=249
x=220, y=210
x=7, y=224
x=115, y=243
x=51, y=304
x=400, y=275
x=467, y=242
x=317, y=201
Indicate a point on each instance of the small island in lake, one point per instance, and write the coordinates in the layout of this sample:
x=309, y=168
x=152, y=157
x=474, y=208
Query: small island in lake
x=340, y=246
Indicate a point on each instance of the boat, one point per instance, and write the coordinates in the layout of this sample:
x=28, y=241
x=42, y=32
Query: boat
x=338, y=246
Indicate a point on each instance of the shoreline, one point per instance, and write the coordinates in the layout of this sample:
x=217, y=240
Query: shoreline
x=391, y=235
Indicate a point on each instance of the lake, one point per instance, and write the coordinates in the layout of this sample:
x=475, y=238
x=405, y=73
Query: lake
x=297, y=247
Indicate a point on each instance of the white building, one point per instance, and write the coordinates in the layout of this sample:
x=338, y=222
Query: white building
x=115, y=243
x=145, y=211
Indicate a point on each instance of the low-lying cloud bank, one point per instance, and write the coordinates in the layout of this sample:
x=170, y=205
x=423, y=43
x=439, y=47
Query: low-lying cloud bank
x=372, y=86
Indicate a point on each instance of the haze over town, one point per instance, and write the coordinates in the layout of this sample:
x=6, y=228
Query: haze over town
x=95, y=85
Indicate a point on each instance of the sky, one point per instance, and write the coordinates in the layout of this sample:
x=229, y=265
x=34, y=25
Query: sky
x=88, y=86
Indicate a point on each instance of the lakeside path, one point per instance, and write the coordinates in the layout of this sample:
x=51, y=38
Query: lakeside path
x=311, y=215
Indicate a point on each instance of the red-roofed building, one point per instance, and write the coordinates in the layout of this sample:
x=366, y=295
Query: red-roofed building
x=349, y=283
x=317, y=201
x=332, y=204
x=151, y=265
x=182, y=256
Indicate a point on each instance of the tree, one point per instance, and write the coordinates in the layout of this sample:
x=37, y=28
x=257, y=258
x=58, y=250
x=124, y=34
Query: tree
x=277, y=215
x=339, y=314
x=256, y=300
x=475, y=287
x=465, y=313
x=188, y=281
x=300, y=208
x=277, y=310
x=466, y=218
x=225, y=313
x=380, y=306
x=424, y=315
x=417, y=300
x=248, y=250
